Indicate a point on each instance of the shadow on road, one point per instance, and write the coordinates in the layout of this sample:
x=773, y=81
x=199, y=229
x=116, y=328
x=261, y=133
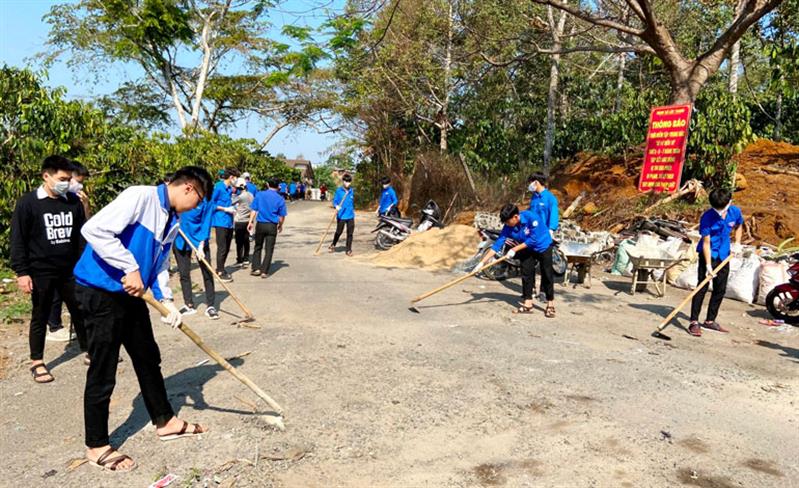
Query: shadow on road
x=71, y=351
x=180, y=387
x=663, y=311
x=789, y=352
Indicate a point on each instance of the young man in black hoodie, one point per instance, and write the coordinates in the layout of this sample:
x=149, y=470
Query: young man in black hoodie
x=45, y=245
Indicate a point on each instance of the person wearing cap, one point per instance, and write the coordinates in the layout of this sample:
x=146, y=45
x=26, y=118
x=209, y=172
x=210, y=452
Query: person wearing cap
x=344, y=201
x=242, y=200
x=251, y=187
x=222, y=199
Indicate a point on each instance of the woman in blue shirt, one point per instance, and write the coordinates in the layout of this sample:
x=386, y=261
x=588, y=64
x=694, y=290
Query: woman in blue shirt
x=344, y=201
x=534, y=245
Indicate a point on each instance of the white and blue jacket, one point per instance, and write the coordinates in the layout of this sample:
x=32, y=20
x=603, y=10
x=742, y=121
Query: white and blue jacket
x=134, y=232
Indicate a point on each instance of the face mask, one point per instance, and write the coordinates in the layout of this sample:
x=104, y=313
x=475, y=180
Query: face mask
x=723, y=213
x=347, y=184
x=531, y=187
x=385, y=187
x=61, y=188
x=75, y=187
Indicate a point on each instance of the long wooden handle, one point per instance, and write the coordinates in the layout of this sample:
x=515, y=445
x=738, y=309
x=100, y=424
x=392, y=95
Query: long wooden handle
x=458, y=280
x=205, y=263
x=704, y=282
x=333, y=219
x=150, y=299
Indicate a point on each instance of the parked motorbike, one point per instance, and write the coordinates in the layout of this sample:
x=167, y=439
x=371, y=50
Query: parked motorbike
x=512, y=267
x=783, y=301
x=392, y=230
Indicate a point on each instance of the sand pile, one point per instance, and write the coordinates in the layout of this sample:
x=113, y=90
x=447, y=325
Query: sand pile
x=436, y=249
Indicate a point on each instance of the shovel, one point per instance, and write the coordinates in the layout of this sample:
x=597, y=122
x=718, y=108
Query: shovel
x=658, y=332
x=453, y=283
x=248, y=316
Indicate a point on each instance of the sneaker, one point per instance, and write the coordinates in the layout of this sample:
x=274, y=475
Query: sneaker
x=225, y=277
x=61, y=335
x=694, y=329
x=255, y=272
x=237, y=265
x=714, y=326
x=211, y=313
x=187, y=310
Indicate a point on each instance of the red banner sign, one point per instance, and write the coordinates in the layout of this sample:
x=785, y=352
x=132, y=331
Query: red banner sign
x=665, y=148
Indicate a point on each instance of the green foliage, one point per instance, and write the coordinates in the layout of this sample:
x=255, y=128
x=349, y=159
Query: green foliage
x=36, y=122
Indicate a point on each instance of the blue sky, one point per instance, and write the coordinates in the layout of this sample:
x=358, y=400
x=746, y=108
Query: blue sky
x=23, y=34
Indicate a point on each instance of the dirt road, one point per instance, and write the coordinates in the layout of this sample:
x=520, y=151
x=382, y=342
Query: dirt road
x=462, y=394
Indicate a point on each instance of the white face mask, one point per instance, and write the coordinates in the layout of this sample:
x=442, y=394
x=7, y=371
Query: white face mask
x=75, y=186
x=347, y=184
x=61, y=188
x=531, y=187
x=385, y=187
x=723, y=213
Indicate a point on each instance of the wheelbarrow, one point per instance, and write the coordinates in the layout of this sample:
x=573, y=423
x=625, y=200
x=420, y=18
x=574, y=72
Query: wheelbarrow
x=644, y=268
x=579, y=257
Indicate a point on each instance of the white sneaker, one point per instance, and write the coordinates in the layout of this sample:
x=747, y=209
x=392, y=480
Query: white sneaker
x=61, y=335
x=211, y=313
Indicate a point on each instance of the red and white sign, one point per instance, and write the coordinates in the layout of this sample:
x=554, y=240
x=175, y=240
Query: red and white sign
x=665, y=148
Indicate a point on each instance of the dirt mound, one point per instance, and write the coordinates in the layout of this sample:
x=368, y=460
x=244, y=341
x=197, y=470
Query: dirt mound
x=770, y=200
x=436, y=249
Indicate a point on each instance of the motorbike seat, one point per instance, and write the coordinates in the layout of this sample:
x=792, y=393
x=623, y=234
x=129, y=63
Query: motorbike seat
x=408, y=222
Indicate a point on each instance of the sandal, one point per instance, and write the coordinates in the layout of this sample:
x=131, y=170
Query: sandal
x=349, y=253
x=331, y=248
x=694, y=329
x=714, y=326
x=36, y=375
x=196, y=430
x=111, y=464
x=549, y=312
x=523, y=310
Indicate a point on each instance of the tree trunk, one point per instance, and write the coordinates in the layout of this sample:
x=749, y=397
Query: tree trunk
x=620, y=81
x=735, y=54
x=444, y=114
x=554, y=79
x=778, y=118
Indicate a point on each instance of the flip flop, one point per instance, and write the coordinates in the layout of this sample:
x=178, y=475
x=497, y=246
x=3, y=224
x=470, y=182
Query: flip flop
x=111, y=464
x=523, y=310
x=549, y=312
x=196, y=430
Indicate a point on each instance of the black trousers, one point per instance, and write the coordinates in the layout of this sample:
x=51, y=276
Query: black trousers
x=716, y=296
x=242, y=242
x=528, y=259
x=114, y=320
x=183, y=259
x=265, y=237
x=224, y=237
x=54, y=321
x=350, y=223
x=44, y=288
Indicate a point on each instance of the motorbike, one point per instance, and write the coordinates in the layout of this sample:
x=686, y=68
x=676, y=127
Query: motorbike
x=392, y=229
x=512, y=267
x=783, y=301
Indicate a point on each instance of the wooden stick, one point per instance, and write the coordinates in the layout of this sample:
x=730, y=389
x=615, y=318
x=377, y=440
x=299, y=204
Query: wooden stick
x=458, y=280
x=150, y=299
x=704, y=282
x=444, y=219
x=573, y=205
x=246, y=310
x=333, y=219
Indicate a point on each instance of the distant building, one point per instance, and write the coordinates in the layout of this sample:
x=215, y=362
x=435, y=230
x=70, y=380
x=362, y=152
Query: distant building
x=303, y=166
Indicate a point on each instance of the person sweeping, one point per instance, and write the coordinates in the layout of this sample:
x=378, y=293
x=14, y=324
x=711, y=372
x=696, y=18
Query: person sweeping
x=127, y=251
x=715, y=227
x=535, y=245
x=344, y=202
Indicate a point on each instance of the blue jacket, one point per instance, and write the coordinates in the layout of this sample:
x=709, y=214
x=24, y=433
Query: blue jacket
x=133, y=232
x=222, y=197
x=711, y=224
x=546, y=206
x=196, y=224
x=346, y=199
x=270, y=207
x=530, y=230
x=252, y=188
x=387, y=199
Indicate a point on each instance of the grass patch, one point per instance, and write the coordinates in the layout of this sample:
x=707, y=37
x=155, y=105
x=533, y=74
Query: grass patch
x=15, y=306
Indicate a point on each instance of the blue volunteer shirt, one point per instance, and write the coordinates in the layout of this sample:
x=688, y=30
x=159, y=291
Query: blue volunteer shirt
x=292, y=188
x=270, y=207
x=388, y=199
x=252, y=188
x=222, y=198
x=530, y=230
x=345, y=199
x=711, y=224
x=196, y=224
x=546, y=206
x=283, y=188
